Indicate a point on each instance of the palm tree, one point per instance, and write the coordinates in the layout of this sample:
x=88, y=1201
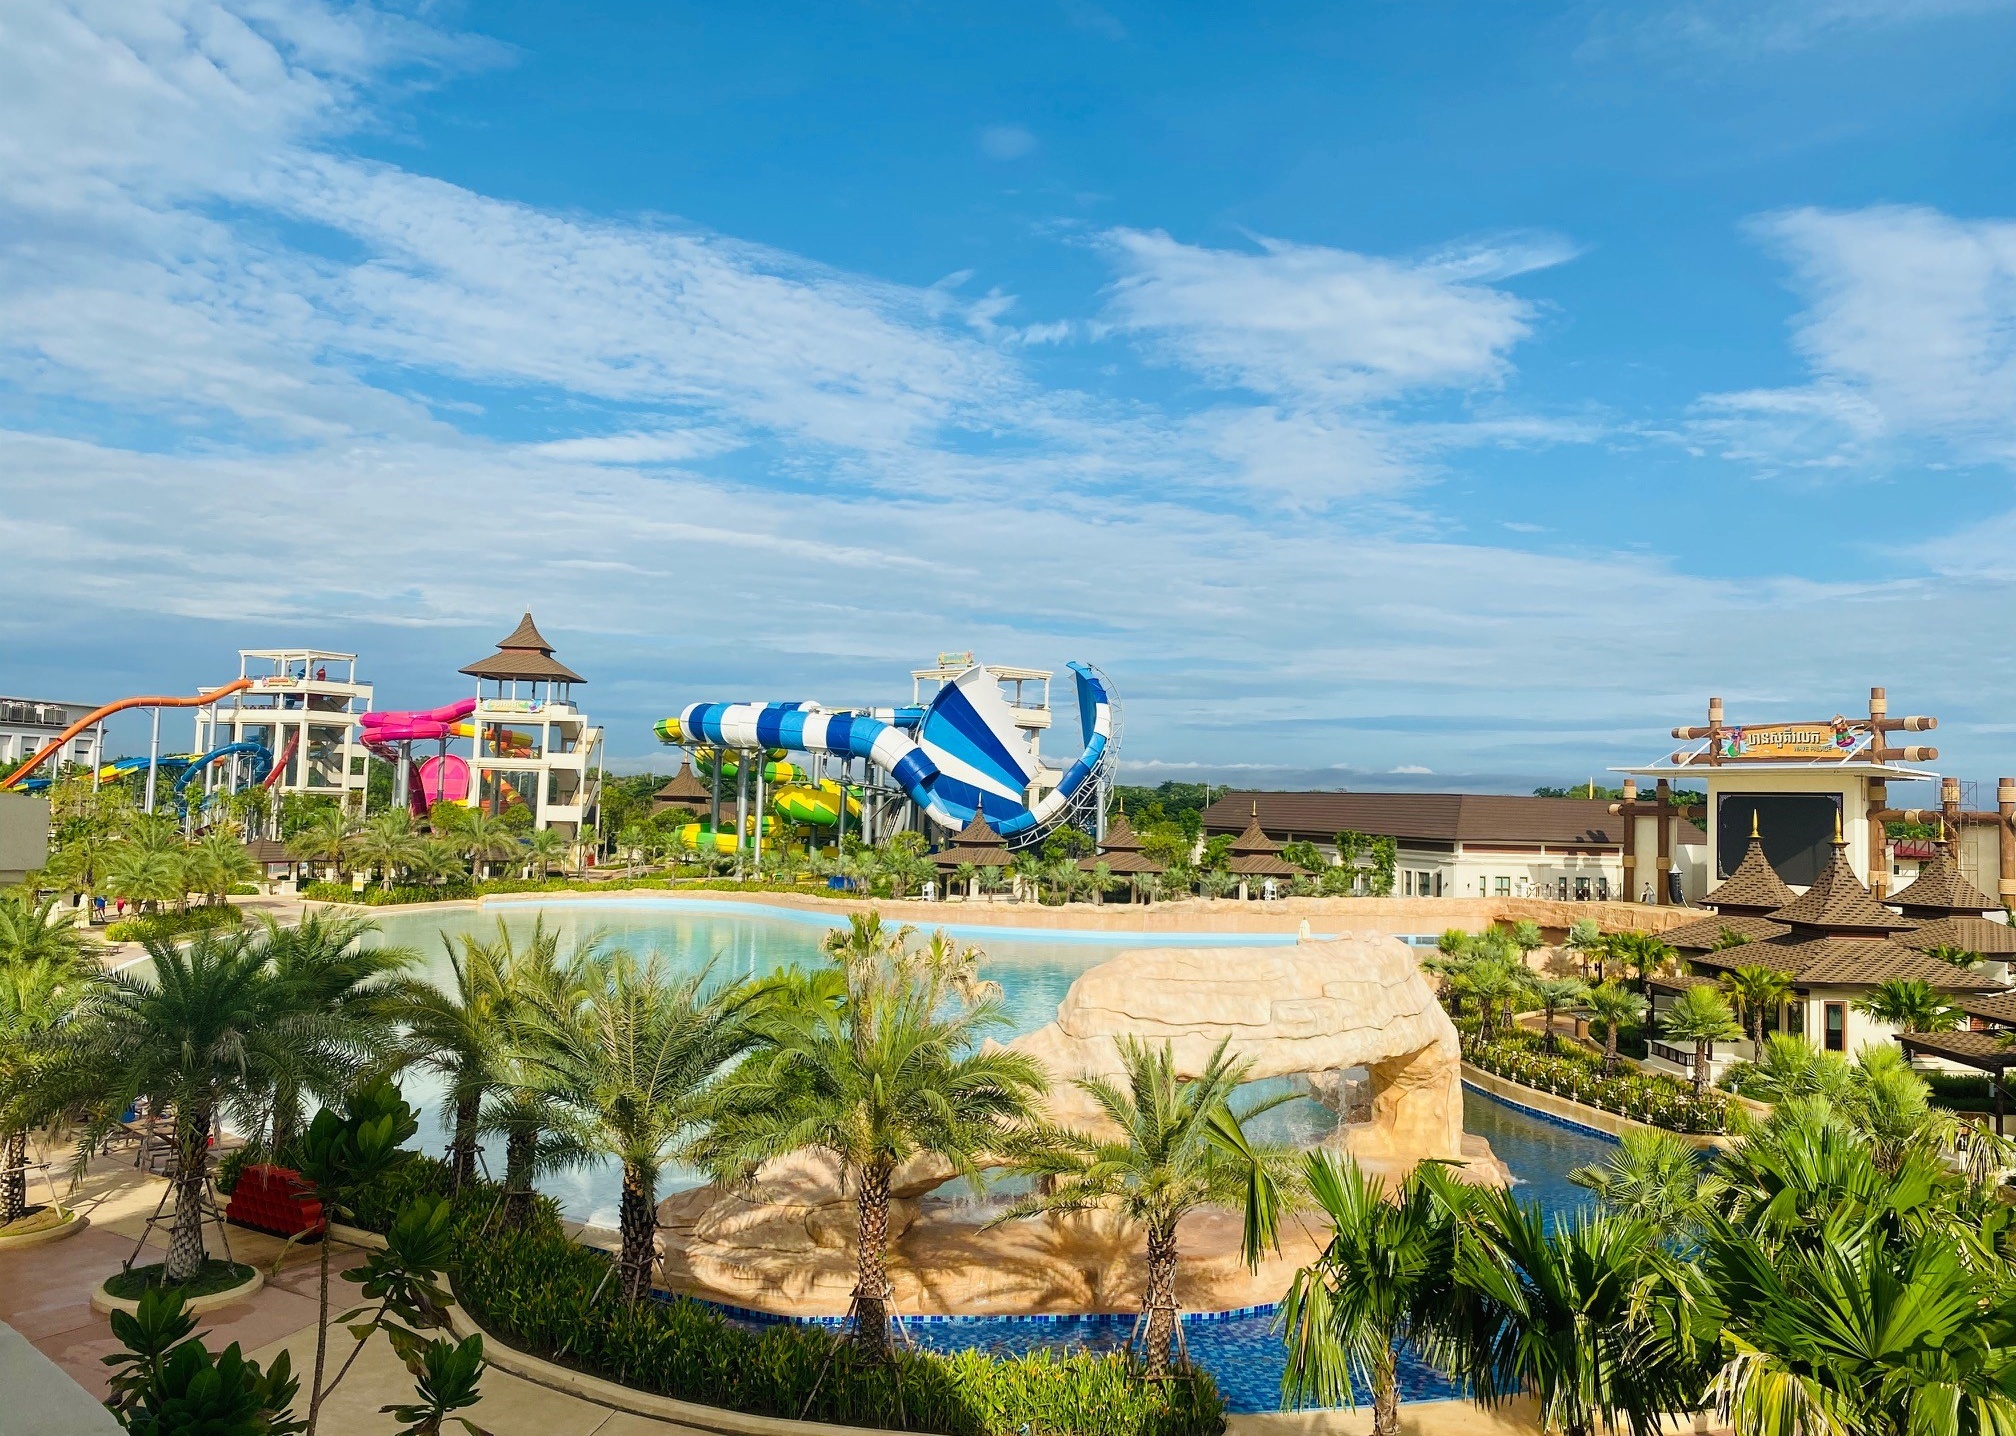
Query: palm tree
x=1699, y=1015
x=1873, y=1314
x=1569, y=1316
x=1757, y=991
x=1379, y=1285
x=325, y=840
x=1584, y=937
x=45, y=990
x=1613, y=1005
x=876, y=1062
x=1790, y=1067
x=1179, y=1147
x=80, y=863
x=33, y=932
x=1910, y=1004
x=1495, y=983
x=1640, y=952
x=541, y=1133
x=344, y=996
x=459, y=1030
x=1653, y=1176
x=190, y=1030
x=388, y=843
x=217, y=863
x=485, y=840
x=145, y=877
x=545, y=850
x=1559, y=994
x=1526, y=936
x=638, y=1057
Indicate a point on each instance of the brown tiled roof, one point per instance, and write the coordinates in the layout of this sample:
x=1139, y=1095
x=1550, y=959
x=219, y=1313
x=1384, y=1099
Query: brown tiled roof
x=1846, y=962
x=1754, y=886
x=1255, y=855
x=1975, y=1049
x=1120, y=836
x=1122, y=861
x=1975, y=934
x=684, y=790
x=1838, y=903
x=1990, y=1007
x=1429, y=817
x=976, y=843
x=1705, y=934
x=1939, y=891
x=524, y=654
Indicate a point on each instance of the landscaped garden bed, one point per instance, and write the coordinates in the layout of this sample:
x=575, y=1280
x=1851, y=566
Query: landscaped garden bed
x=1548, y=1065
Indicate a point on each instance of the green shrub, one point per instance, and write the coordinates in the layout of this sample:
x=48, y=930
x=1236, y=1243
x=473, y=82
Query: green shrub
x=539, y=1294
x=1960, y=1094
x=202, y=918
x=1546, y=1065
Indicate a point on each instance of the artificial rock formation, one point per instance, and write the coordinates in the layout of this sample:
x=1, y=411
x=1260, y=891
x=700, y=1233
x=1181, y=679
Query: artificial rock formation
x=1320, y=1010
x=1311, y=1009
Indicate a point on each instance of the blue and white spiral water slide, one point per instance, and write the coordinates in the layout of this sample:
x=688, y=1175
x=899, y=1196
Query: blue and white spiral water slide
x=959, y=752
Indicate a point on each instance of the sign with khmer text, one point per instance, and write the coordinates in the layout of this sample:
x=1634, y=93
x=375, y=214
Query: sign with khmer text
x=1837, y=739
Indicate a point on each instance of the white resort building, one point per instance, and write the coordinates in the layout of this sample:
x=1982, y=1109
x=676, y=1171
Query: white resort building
x=28, y=725
x=1472, y=844
x=534, y=747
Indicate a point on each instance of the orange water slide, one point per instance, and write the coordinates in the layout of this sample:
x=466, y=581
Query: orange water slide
x=98, y=714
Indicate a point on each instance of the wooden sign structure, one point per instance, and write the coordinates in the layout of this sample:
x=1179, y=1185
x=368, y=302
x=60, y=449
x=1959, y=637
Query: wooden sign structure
x=1668, y=813
x=1837, y=742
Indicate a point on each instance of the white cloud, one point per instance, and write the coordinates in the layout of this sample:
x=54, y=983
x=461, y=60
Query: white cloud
x=1325, y=324
x=1411, y=768
x=1006, y=142
x=1909, y=333
x=1749, y=29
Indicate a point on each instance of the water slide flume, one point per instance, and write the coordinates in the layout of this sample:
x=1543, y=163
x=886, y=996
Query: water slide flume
x=961, y=753
x=98, y=715
x=443, y=778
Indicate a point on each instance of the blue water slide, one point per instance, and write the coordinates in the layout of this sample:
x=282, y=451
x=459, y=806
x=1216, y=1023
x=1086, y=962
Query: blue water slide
x=958, y=755
x=259, y=753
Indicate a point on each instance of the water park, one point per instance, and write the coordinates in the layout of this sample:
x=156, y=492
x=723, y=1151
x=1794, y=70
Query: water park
x=878, y=1070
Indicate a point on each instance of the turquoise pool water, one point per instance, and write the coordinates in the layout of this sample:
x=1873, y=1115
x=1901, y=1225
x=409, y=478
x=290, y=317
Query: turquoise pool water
x=734, y=940
x=1034, y=968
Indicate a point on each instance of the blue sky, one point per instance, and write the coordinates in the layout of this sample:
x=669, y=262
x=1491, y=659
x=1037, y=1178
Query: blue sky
x=1382, y=394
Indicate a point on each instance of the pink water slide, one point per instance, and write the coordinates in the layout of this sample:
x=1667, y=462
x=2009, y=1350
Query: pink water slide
x=440, y=779
x=424, y=723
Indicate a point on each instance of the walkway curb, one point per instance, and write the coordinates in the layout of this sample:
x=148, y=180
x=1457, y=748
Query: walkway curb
x=71, y=1224
x=103, y=1301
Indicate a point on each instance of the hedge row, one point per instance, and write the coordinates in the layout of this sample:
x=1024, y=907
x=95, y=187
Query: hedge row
x=539, y=1293
x=205, y=917
x=1569, y=1072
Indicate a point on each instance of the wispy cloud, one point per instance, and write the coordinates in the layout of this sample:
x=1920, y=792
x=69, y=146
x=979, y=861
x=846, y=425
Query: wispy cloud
x=1909, y=333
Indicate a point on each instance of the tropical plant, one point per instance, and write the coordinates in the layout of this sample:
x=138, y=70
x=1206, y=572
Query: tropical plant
x=43, y=1001
x=637, y=1055
x=1639, y=953
x=344, y=996
x=1910, y=1004
x=1961, y=957
x=80, y=863
x=216, y=863
x=325, y=839
x=1790, y=1067
x=459, y=1029
x=1700, y=1016
x=1585, y=936
x=545, y=850
x=1757, y=991
x=192, y=1029
x=1613, y=1004
x=145, y=877
x=1567, y=1315
x=1526, y=936
x=486, y=839
x=165, y=1381
x=1496, y=984
x=1380, y=1285
x=32, y=931
x=1653, y=1177
x=876, y=1062
x=1179, y=1146
x=388, y=843
x=1558, y=994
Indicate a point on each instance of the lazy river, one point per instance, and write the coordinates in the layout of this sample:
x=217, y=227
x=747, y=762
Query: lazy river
x=1034, y=968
